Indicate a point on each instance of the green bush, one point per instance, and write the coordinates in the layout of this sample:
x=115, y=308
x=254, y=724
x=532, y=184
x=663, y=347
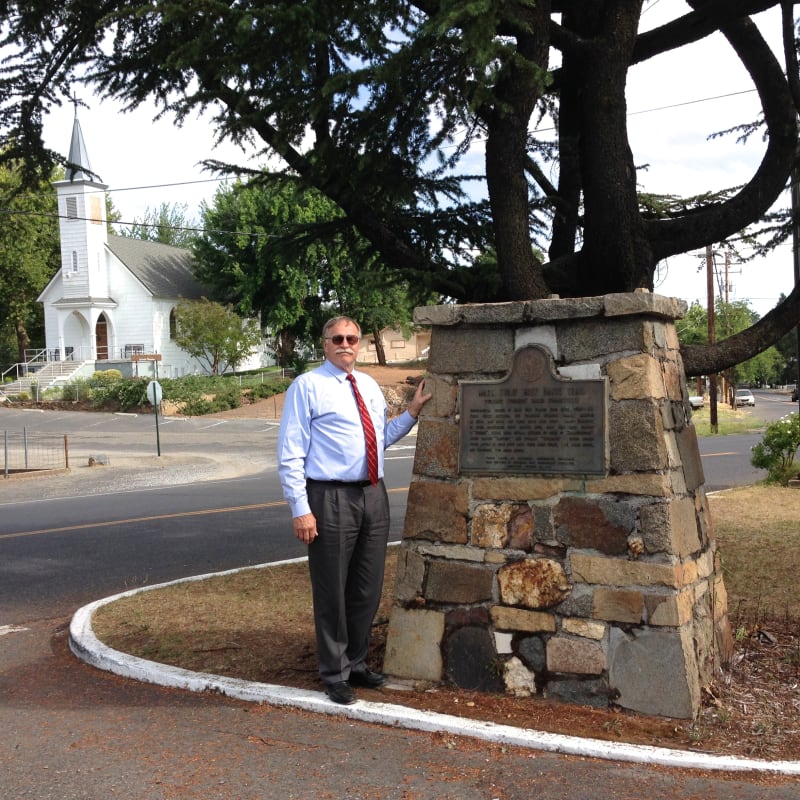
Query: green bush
x=125, y=392
x=227, y=398
x=776, y=451
x=198, y=394
x=197, y=406
x=267, y=389
x=131, y=392
x=77, y=389
x=106, y=377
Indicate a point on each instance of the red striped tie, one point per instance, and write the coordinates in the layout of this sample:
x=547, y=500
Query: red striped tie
x=369, y=433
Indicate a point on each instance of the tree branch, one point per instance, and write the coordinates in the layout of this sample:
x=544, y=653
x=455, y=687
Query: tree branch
x=711, y=358
x=704, y=20
x=718, y=221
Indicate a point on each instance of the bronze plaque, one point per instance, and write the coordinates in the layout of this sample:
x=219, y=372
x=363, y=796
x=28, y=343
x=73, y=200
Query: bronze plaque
x=533, y=422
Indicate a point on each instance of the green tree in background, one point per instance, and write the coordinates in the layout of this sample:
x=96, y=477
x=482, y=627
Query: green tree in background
x=248, y=260
x=29, y=257
x=113, y=214
x=731, y=318
x=371, y=294
x=215, y=335
x=289, y=254
x=693, y=328
x=167, y=224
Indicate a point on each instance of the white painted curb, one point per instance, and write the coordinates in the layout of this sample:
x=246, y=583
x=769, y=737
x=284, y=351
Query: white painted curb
x=87, y=647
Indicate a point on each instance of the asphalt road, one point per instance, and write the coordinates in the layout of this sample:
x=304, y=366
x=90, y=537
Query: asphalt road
x=726, y=459
x=74, y=549
x=71, y=732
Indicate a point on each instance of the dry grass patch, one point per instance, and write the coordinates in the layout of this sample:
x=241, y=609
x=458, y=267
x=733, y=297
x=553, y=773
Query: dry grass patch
x=258, y=625
x=758, y=535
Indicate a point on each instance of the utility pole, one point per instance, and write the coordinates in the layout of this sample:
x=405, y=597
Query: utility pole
x=712, y=379
x=727, y=285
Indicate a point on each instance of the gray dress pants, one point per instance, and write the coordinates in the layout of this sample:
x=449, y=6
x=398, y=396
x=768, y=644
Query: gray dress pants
x=346, y=563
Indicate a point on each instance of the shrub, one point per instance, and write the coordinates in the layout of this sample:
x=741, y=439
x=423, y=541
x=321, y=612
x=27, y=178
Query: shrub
x=106, y=377
x=197, y=406
x=78, y=389
x=261, y=390
x=197, y=394
x=131, y=392
x=776, y=451
x=127, y=392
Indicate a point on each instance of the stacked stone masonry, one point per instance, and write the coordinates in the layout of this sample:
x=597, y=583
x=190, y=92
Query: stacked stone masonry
x=601, y=589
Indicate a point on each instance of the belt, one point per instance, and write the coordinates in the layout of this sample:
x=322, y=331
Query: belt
x=340, y=484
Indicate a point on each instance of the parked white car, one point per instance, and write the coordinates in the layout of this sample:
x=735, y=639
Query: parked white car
x=696, y=401
x=744, y=397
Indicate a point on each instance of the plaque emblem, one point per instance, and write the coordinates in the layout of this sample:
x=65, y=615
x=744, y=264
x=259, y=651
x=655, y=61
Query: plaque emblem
x=533, y=421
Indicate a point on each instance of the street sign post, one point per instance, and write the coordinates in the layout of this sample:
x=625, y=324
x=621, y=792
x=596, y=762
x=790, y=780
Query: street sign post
x=154, y=395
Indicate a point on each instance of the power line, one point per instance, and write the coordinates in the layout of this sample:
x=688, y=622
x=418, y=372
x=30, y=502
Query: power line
x=186, y=228
x=690, y=102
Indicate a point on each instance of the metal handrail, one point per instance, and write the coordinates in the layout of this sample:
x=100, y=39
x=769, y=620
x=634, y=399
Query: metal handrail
x=37, y=356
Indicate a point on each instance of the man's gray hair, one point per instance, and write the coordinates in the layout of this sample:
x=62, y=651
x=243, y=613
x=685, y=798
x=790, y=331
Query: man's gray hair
x=335, y=321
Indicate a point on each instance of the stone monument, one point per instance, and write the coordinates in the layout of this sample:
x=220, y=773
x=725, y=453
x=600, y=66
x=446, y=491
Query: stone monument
x=557, y=537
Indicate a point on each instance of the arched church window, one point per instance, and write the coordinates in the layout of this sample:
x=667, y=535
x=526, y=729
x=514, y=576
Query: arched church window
x=173, y=324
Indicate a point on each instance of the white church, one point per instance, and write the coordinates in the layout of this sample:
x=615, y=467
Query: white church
x=112, y=303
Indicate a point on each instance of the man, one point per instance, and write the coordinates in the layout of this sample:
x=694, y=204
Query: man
x=330, y=461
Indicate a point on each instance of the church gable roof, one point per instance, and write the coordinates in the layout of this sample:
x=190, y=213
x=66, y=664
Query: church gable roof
x=164, y=270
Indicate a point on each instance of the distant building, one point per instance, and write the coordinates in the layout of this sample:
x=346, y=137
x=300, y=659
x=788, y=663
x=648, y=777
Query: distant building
x=114, y=297
x=397, y=346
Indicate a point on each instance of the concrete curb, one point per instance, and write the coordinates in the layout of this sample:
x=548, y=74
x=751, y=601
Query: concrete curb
x=87, y=647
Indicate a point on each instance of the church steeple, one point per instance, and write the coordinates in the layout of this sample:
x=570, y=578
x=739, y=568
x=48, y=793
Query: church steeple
x=78, y=158
x=82, y=225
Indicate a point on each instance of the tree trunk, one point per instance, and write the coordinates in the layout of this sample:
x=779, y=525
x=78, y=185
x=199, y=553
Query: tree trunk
x=286, y=342
x=23, y=340
x=380, y=350
x=517, y=90
x=615, y=256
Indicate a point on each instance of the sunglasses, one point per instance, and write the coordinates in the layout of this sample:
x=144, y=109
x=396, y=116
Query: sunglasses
x=352, y=339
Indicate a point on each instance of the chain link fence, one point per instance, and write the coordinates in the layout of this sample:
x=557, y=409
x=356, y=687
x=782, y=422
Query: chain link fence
x=30, y=452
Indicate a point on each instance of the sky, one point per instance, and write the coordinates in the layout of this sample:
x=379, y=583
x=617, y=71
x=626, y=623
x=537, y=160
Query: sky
x=674, y=102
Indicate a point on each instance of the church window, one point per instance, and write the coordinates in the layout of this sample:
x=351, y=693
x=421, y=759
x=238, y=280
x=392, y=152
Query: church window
x=72, y=208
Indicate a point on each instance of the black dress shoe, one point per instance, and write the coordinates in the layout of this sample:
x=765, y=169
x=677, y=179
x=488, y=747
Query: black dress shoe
x=368, y=678
x=341, y=692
